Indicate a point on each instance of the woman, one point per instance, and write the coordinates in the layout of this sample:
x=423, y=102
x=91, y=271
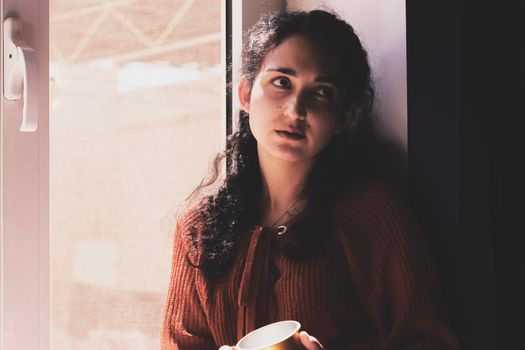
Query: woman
x=294, y=231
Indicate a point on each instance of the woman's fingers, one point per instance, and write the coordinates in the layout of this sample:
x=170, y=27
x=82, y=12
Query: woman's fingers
x=227, y=347
x=309, y=342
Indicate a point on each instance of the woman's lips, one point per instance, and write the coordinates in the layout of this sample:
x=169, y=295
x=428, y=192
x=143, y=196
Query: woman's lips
x=290, y=135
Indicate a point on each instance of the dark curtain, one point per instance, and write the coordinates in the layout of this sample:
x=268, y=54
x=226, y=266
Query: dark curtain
x=466, y=155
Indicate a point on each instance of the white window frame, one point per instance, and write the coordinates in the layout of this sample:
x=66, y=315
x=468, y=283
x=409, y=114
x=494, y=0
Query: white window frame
x=24, y=180
x=244, y=15
x=24, y=199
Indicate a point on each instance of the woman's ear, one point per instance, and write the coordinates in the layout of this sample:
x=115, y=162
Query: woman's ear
x=244, y=92
x=345, y=122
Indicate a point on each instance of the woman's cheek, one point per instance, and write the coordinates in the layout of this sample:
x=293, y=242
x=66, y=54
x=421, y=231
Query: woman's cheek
x=274, y=94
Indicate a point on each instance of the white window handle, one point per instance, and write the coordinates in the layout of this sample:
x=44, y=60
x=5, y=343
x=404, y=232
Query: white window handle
x=20, y=73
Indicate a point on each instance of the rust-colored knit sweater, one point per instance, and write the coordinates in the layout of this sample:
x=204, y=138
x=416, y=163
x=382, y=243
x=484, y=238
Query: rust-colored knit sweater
x=374, y=289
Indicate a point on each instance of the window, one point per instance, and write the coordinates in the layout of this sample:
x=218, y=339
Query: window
x=136, y=110
x=136, y=87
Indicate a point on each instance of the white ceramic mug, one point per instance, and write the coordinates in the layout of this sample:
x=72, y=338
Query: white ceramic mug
x=283, y=335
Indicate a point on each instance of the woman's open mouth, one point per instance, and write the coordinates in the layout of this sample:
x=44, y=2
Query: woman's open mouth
x=290, y=135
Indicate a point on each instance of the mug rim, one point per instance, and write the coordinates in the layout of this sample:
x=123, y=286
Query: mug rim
x=297, y=327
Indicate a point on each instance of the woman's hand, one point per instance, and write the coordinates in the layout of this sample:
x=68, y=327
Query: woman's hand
x=309, y=342
x=227, y=347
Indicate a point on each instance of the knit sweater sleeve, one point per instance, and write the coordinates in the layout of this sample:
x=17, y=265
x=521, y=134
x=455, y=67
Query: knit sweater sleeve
x=184, y=324
x=392, y=273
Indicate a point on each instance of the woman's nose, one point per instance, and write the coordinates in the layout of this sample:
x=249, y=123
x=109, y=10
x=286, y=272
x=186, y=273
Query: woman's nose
x=295, y=109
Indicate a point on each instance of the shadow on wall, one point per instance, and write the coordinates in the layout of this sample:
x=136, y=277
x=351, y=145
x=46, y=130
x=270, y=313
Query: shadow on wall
x=378, y=156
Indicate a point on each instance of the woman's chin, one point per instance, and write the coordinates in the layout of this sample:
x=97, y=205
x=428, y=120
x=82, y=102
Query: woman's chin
x=290, y=154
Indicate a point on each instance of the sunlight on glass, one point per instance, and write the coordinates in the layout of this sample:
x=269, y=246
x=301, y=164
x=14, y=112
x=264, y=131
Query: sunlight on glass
x=136, y=93
x=138, y=75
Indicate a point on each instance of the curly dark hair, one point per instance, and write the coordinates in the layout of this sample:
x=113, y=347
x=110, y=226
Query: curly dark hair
x=227, y=215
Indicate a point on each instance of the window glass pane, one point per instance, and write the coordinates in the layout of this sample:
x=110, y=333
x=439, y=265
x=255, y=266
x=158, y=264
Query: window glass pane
x=137, y=113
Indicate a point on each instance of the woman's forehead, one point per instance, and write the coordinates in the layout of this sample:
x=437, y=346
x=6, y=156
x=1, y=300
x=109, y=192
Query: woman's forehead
x=300, y=55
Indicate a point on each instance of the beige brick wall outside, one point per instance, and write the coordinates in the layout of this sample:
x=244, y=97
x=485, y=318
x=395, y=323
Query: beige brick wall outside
x=137, y=91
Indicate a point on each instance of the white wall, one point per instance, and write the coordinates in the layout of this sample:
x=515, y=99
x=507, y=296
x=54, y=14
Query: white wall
x=380, y=24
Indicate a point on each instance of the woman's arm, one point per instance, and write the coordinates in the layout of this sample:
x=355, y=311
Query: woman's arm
x=184, y=324
x=393, y=274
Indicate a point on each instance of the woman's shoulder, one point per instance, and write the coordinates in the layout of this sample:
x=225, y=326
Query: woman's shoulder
x=191, y=214
x=372, y=205
x=370, y=195
x=189, y=224
x=188, y=227
x=374, y=215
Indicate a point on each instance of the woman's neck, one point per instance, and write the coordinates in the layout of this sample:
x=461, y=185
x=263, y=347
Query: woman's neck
x=282, y=185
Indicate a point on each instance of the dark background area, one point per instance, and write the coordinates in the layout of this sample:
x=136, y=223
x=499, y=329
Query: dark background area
x=466, y=154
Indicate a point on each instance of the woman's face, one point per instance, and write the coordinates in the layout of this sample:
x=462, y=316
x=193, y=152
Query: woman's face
x=296, y=102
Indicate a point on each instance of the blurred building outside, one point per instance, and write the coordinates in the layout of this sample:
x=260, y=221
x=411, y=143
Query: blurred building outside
x=136, y=95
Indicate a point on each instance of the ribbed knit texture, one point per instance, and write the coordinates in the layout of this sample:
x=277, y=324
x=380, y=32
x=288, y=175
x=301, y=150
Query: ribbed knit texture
x=374, y=289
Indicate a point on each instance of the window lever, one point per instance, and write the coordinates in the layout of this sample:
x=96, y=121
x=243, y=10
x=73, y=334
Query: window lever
x=20, y=73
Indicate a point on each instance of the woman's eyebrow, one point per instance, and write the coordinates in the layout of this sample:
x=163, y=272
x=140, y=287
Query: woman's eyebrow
x=321, y=79
x=284, y=70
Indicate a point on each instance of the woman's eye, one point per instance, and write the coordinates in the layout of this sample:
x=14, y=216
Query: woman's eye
x=281, y=82
x=325, y=92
